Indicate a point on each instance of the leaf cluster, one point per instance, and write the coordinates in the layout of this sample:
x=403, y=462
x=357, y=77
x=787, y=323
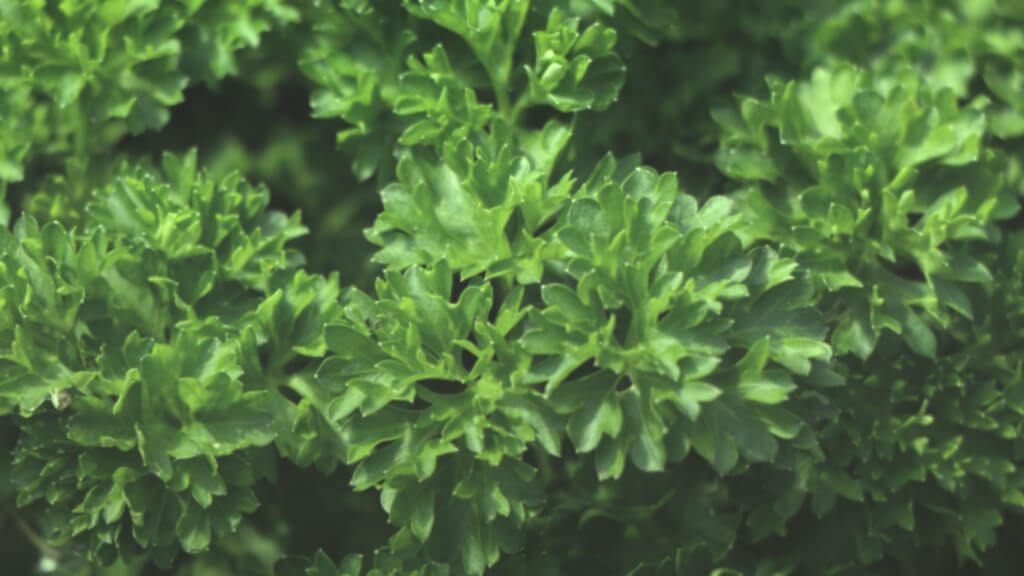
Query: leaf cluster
x=655, y=288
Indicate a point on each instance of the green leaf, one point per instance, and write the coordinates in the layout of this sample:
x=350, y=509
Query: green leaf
x=600, y=415
x=194, y=530
x=770, y=388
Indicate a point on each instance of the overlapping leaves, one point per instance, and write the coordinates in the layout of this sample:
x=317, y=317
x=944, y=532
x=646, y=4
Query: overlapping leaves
x=551, y=376
x=888, y=165
x=638, y=283
x=75, y=78
x=131, y=352
x=376, y=68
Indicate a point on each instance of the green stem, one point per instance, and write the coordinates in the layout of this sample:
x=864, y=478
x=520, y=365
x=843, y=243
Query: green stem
x=5, y=213
x=508, y=284
x=78, y=165
x=544, y=464
x=521, y=104
x=500, y=83
x=81, y=132
x=501, y=93
x=30, y=534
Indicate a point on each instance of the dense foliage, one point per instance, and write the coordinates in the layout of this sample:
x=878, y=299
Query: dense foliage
x=511, y=287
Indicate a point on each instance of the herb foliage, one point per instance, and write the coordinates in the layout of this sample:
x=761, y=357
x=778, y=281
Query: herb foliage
x=644, y=287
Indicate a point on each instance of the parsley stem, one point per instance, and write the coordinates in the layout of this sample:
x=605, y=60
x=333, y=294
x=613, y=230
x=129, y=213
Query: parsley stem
x=522, y=103
x=544, y=464
x=79, y=161
x=30, y=534
x=5, y=212
x=500, y=83
x=504, y=104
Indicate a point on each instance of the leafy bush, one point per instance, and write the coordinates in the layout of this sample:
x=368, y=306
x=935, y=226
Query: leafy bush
x=645, y=287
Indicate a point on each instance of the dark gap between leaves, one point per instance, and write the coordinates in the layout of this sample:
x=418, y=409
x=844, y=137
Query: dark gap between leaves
x=583, y=370
x=459, y=286
x=545, y=226
x=905, y=270
x=437, y=386
x=468, y=360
